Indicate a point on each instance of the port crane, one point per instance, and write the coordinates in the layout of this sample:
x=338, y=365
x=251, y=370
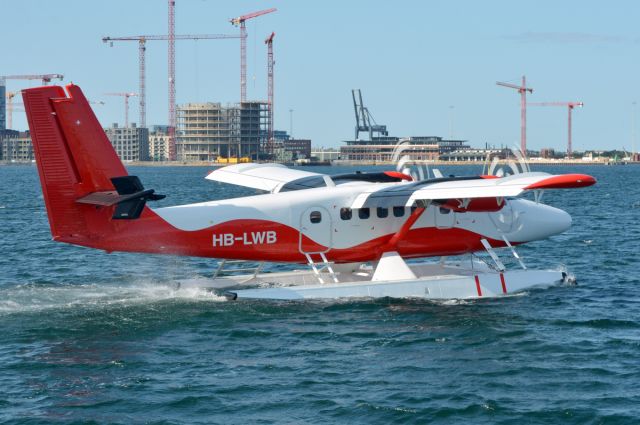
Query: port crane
x=240, y=22
x=126, y=96
x=570, y=106
x=364, y=117
x=522, y=89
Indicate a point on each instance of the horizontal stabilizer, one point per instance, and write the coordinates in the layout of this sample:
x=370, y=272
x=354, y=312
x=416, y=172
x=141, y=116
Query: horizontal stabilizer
x=130, y=197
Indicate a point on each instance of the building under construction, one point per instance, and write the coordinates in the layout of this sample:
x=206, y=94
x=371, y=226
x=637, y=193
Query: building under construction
x=209, y=131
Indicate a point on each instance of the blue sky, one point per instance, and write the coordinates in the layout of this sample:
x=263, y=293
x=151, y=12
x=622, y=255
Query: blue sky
x=412, y=60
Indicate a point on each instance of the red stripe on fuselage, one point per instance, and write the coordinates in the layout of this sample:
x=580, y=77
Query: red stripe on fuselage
x=504, y=285
x=152, y=234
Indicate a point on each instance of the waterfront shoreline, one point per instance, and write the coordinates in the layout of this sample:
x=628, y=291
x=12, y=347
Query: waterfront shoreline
x=353, y=163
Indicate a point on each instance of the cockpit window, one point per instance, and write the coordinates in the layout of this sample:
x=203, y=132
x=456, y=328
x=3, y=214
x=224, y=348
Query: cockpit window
x=398, y=211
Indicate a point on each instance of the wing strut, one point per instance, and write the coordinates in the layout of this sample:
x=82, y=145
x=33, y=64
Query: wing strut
x=392, y=244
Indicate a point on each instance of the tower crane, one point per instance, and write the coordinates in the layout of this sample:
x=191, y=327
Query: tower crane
x=46, y=78
x=522, y=89
x=142, y=47
x=10, y=95
x=269, y=42
x=171, y=59
x=240, y=22
x=569, y=106
x=11, y=109
x=126, y=104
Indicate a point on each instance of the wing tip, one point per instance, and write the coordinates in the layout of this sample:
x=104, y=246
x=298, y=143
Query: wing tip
x=563, y=181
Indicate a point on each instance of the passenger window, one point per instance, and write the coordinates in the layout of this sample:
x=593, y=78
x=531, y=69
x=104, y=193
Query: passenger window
x=398, y=211
x=345, y=213
x=444, y=211
x=382, y=212
x=315, y=217
x=363, y=213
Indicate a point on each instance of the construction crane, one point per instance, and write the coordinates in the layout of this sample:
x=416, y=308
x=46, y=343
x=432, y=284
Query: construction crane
x=126, y=104
x=522, y=89
x=240, y=22
x=269, y=42
x=46, y=78
x=569, y=106
x=11, y=109
x=171, y=59
x=10, y=96
x=364, y=117
x=142, y=47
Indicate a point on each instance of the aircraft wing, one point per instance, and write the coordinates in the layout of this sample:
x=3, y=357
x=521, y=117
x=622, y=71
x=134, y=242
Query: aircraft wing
x=268, y=177
x=467, y=188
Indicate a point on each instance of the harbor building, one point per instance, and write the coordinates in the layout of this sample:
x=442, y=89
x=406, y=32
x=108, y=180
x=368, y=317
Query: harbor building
x=159, y=143
x=382, y=148
x=16, y=146
x=299, y=148
x=131, y=143
x=475, y=155
x=212, y=132
x=287, y=150
x=325, y=154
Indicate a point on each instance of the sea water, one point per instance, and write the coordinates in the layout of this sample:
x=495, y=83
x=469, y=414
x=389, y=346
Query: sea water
x=87, y=336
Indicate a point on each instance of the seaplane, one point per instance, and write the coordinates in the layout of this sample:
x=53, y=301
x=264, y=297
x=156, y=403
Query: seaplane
x=358, y=235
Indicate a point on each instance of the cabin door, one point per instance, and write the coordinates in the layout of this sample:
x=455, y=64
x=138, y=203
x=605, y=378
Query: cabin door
x=316, y=230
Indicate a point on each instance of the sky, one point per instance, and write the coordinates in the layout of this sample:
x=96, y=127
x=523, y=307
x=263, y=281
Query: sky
x=425, y=68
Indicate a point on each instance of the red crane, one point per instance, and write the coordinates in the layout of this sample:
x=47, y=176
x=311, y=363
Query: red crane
x=126, y=104
x=270, y=63
x=522, y=89
x=142, y=47
x=570, y=106
x=240, y=21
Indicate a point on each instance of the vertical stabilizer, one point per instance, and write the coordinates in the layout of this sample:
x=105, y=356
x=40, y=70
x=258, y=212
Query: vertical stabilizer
x=74, y=158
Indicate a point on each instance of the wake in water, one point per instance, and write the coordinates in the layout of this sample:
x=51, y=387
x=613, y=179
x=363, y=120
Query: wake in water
x=41, y=297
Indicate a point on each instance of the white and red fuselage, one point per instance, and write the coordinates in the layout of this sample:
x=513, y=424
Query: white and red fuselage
x=284, y=226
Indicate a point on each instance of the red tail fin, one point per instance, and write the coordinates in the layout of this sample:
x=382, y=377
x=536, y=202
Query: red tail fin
x=74, y=158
